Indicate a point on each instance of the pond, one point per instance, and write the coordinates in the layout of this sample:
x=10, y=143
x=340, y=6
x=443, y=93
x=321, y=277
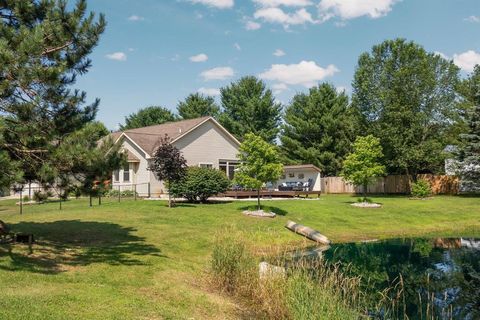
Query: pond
x=437, y=278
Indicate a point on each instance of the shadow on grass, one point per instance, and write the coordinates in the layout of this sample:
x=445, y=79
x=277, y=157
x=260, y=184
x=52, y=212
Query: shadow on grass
x=275, y=210
x=64, y=245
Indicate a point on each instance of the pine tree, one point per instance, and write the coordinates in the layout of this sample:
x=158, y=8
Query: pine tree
x=469, y=155
x=44, y=46
x=249, y=107
x=319, y=129
x=197, y=105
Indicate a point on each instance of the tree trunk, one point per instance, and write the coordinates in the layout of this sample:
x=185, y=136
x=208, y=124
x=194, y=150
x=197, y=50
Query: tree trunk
x=365, y=186
x=169, y=200
x=258, y=199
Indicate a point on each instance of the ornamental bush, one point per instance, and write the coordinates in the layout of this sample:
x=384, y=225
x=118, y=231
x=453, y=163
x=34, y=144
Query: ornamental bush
x=421, y=189
x=199, y=184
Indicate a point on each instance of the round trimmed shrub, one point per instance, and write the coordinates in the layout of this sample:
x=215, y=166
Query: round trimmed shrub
x=199, y=184
x=421, y=189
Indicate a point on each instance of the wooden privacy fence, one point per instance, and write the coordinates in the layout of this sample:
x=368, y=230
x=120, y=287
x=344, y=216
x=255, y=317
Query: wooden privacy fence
x=397, y=184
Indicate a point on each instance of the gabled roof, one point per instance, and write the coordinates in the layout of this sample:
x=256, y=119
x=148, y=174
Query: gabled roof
x=146, y=138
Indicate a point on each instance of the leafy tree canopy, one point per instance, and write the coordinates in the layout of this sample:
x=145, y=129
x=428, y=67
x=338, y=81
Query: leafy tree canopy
x=168, y=164
x=407, y=97
x=148, y=117
x=249, y=107
x=259, y=163
x=319, y=129
x=197, y=105
x=363, y=165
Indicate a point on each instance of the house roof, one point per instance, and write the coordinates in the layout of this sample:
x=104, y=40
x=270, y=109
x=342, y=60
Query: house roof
x=302, y=166
x=147, y=137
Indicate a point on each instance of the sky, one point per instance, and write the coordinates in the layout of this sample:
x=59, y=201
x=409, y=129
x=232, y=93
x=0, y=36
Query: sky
x=156, y=52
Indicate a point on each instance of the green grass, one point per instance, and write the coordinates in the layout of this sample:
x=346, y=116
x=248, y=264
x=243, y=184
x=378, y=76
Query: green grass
x=142, y=260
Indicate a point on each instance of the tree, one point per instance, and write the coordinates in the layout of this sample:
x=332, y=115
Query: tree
x=197, y=105
x=248, y=107
x=199, y=184
x=148, y=117
x=469, y=155
x=363, y=165
x=319, y=129
x=86, y=160
x=168, y=164
x=258, y=164
x=44, y=47
x=407, y=97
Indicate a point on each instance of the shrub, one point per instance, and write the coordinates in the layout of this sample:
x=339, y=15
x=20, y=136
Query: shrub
x=199, y=184
x=421, y=189
x=26, y=198
x=40, y=196
x=113, y=193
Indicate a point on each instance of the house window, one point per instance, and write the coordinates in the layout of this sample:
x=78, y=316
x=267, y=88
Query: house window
x=228, y=167
x=301, y=176
x=126, y=174
x=116, y=175
x=291, y=175
x=283, y=177
x=206, y=165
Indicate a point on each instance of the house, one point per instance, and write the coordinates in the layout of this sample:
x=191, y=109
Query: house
x=202, y=141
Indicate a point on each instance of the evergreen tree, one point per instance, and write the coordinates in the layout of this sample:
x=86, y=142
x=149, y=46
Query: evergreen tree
x=148, y=117
x=469, y=155
x=249, y=107
x=44, y=46
x=319, y=129
x=197, y=105
x=407, y=98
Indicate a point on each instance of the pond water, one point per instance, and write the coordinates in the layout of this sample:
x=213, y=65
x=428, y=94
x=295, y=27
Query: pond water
x=440, y=276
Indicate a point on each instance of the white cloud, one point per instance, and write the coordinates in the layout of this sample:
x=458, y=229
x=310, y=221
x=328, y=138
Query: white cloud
x=118, y=56
x=287, y=3
x=277, y=15
x=237, y=46
x=279, y=88
x=350, y=9
x=443, y=55
x=252, y=25
x=306, y=73
x=209, y=91
x=467, y=60
x=135, y=18
x=202, y=57
x=341, y=89
x=220, y=4
x=474, y=19
x=279, y=53
x=219, y=73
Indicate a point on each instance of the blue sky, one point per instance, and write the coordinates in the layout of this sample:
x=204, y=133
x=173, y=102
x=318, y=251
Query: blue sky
x=156, y=52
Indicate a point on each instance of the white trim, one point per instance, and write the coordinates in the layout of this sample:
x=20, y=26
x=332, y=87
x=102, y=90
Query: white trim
x=201, y=123
x=206, y=164
x=147, y=156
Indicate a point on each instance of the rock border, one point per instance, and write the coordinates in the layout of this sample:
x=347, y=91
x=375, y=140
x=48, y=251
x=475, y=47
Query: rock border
x=259, y=214
x=366, y=205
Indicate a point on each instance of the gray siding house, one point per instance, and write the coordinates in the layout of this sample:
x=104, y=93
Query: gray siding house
x=202, y=141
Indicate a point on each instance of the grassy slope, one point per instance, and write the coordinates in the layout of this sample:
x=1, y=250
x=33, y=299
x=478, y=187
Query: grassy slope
x=143, y=260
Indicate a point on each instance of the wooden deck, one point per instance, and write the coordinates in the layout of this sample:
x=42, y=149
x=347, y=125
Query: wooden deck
x=270, y=194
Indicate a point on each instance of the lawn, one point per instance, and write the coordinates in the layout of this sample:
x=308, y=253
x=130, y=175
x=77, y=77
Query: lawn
x=142, y=260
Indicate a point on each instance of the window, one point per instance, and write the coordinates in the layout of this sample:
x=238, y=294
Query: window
x=301, y=176
x=291, y=175
x=126, y=174
x=116, y=175
x=206, y=165
x=283, y=177
x=228, y=167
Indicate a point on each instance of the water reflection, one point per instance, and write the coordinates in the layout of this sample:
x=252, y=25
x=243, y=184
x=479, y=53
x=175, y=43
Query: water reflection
x=440, y=277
